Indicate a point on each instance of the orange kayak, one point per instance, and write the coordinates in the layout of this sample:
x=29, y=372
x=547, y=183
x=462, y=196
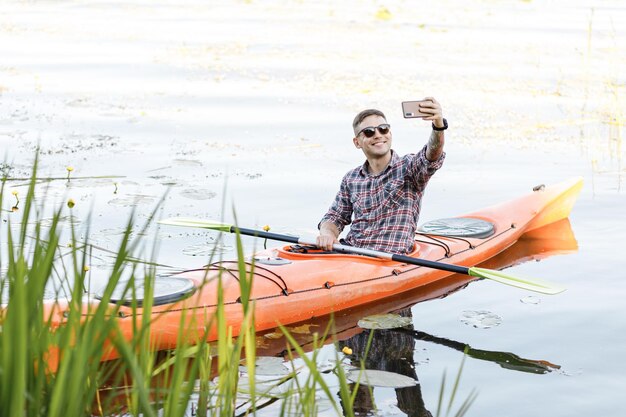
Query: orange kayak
x=291, y=283
x=553, y=239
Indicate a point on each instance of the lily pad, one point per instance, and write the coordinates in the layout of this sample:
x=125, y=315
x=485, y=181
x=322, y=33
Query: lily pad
x=198, y=194
x=376, y=378
x=206, y=249
x=267, y=366
x=384, y=321
x=274, y=335
x=322, y=405
x=480, y=319
x=133, y=200
x=303, y=329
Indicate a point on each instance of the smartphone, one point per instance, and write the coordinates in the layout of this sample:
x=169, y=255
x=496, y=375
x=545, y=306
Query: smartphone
x=411, y=109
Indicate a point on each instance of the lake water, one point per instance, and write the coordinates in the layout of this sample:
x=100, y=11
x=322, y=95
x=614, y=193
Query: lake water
x=246, y=106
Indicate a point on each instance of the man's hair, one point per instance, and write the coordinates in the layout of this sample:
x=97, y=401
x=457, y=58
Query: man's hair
x=362, y=115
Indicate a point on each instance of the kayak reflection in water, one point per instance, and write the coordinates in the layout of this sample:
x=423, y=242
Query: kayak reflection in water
x=390, y=351
x=381, y=199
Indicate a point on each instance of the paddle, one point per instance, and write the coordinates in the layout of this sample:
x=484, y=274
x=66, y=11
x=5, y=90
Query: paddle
x=498, y=276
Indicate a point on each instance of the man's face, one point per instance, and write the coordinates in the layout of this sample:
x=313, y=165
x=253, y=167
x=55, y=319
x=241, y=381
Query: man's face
x=379, y=144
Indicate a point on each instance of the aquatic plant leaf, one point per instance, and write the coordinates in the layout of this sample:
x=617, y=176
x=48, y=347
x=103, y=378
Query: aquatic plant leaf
x=273, y=335
x=322, y=404
x=376, y=378
x=267, y=366
x=384, y=321
x=303, y=329
x=198, y=194
x=132, y=200
x=207, y=249
x=480, y=319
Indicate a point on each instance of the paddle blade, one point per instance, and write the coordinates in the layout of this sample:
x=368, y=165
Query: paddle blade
x=204, y=224
x=536, y=285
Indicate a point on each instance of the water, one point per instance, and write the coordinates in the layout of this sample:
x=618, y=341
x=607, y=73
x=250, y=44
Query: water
x=246, y=107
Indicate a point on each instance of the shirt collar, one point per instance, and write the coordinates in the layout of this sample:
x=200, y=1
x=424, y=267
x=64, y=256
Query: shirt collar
x=364, y=171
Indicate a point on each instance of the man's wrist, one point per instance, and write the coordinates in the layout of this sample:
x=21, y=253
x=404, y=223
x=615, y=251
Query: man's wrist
x=440, y=125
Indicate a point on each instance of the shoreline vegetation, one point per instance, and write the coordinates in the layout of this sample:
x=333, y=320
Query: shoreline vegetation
x=59, y=373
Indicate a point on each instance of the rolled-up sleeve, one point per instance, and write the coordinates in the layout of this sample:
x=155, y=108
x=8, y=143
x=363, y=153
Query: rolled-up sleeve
x=421, y=169
x=340, y=212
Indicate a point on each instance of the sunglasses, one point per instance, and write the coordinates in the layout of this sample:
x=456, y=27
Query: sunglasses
x=370, y=131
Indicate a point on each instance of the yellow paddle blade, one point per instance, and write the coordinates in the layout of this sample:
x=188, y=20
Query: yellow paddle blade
x=204, y=224
x=533, y=284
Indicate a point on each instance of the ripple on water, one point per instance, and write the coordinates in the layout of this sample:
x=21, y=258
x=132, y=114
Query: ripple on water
x=480, y=319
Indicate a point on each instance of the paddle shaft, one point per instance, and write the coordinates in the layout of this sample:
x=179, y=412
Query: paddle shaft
x=351, y=249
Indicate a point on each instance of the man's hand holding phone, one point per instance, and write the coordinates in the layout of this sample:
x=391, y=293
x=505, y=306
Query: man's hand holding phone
x=426, y=109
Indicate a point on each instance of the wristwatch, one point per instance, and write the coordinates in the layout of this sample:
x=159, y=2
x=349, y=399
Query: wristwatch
x=439, y=129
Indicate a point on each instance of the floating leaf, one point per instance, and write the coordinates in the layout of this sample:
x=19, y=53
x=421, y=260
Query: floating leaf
x=303, y=329
x=198, y=194
x=273, y=335
x=267, y=366
x=384, y=321
x=133, y=200
x=264, y=386
x=206, y=249
x=375, y=378
x=480, y=319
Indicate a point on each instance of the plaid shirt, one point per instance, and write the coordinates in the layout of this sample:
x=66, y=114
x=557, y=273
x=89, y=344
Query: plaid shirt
x=383, y=208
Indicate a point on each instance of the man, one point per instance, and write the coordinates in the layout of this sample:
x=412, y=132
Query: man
x=382, y=198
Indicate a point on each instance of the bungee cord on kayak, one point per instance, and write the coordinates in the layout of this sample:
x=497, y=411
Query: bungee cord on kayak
x=255, y=268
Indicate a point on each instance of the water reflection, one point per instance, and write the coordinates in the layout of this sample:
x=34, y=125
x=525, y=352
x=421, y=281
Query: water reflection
x=391, y=351
x=506, y=360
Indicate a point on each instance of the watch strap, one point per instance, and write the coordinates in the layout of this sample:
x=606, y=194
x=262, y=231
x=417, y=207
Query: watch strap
x=439, y=129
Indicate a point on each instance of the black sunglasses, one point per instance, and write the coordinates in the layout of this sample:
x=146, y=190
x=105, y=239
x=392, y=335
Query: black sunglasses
x=370, y=131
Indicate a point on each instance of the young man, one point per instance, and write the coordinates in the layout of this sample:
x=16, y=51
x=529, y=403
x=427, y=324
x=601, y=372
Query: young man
x=382, y=198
